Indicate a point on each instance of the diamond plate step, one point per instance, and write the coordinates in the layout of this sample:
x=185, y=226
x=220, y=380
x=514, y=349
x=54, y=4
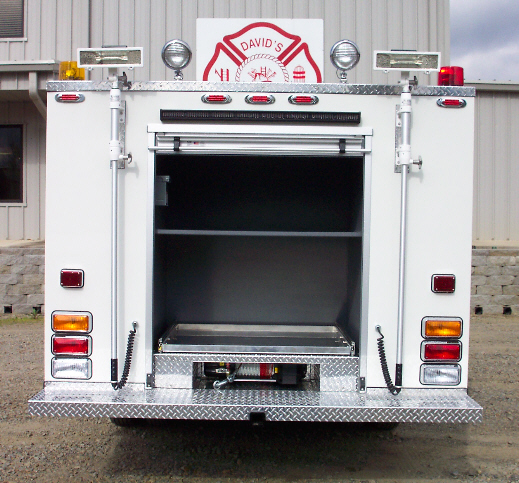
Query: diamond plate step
x=375, y=405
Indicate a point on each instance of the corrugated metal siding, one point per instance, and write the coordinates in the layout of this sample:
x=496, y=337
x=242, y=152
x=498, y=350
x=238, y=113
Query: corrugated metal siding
x=25, y=221
x=496, y=174
x=56, y=28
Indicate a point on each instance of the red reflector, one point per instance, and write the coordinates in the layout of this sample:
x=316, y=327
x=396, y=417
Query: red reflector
x=259, y=99
x=72, y=346
x=433, y=351
x=450, y=76
x=303, y=99
x=443, y=283
x=72, y=278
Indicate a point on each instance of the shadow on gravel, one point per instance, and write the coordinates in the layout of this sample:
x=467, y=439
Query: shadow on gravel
x=290, y=451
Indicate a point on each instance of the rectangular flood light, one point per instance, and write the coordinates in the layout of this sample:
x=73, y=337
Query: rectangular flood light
x=111, y=57
x=403, y=60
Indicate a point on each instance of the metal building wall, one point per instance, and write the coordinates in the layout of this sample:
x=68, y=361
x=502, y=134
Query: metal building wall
x=26, y=221
x=56, y=28
x=496, y=174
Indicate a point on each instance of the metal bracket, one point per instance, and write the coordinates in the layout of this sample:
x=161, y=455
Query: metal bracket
x=150, y=380
x=398, y=142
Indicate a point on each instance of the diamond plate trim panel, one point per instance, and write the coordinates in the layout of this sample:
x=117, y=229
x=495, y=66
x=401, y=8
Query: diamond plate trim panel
x=376, y=405
x=356, y=89
x=336, y=373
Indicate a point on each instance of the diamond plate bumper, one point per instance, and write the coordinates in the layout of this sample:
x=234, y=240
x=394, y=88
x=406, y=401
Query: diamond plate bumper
x=375, y=405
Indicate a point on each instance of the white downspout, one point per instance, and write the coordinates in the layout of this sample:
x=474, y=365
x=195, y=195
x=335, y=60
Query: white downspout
x=35, y=97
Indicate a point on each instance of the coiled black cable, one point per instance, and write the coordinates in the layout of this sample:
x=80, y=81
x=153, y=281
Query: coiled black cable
x=128, y=359
x=383, y=362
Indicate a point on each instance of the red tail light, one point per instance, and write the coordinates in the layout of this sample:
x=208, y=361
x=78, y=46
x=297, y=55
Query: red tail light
x=440, y=351
x=451, y=76
x=71, y=346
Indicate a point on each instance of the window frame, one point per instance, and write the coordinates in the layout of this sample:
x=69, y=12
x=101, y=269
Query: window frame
x=23, y=201
x=23, y=38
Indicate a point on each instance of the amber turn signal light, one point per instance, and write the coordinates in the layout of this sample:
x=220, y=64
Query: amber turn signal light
x=442, y=327
x=72, y=322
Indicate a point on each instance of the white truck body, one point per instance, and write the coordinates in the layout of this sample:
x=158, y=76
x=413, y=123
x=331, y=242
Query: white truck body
x=274, y=248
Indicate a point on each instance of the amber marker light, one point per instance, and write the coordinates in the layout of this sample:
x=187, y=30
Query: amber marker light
x=72, y=322
x=437, y=327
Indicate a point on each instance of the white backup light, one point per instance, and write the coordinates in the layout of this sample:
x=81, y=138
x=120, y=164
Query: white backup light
x=440, y=375
x=176, y=54
x=71, y=368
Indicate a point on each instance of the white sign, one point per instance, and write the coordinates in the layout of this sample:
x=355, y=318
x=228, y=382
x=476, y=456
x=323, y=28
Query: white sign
x=259, y=50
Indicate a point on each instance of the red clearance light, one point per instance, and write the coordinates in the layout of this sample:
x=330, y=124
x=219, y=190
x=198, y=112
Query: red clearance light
x=216, y=99
x=451, y=76
x=268, y=99
x=71, y=346
x=69, y=97
x=72, y=278
x=443, y=283
x=303, y=100
x=440, y=351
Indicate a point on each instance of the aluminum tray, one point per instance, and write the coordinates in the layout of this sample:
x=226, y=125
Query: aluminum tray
x=258, y=339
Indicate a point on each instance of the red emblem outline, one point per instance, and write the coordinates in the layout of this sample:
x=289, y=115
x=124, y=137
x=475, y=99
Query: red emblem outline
x=239, y=54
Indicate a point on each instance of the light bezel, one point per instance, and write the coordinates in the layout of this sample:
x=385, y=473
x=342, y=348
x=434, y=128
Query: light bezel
x=333, y=55
x=86, y=338
x=425, y=320
x=72, y=361
x=72, y=314
x=405, y=53
x=428, y=342
x=114, y=51
x=184, y=63
x=425, y=367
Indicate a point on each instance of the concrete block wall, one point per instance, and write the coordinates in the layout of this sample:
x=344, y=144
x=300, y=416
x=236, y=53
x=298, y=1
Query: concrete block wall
x=22, y=279
x=495, y=281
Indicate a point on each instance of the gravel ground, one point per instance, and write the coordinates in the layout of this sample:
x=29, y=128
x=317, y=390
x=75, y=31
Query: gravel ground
x=89, y=450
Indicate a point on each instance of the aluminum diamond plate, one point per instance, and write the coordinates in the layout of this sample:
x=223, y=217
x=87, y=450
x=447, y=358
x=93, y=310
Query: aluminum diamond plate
x=355, y=89
x=337, y=373
x=375, y=405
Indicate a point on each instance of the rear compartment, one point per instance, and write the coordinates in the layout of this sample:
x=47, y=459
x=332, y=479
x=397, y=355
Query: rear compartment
x=257, y=254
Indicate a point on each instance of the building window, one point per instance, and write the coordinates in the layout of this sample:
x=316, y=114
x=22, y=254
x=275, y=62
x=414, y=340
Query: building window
x=11, y=164
x=11, y=19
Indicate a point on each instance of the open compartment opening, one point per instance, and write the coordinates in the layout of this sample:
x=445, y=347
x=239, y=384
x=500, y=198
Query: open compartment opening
x=258, y=253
